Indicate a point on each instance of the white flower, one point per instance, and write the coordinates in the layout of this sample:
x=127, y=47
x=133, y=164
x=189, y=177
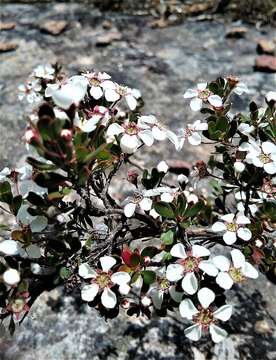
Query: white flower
x=192, y=132
x=98, y=82
x=189, y=265
x=114, y=92
x=102, y=280
x=30, y=91
x=202, y=95
x=4, y=173
x=239, y=166
x=182, y=179
x=233, y=228
x=235, y=271
x=261, y=155
x=68, y=93
x=163, y=286
x=11, y=277
x=100, y=114
x=160, y=132
x=162, y=167
x=44, y=72
x=138, y=199
x=204, y=317
x=132, y=136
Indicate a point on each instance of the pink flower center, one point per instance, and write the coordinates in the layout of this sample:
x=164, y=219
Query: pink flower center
x=131, y=128
x=103, y=279
x=204, y=94
x=236, y=274
x=204, y=318
x=190, y=264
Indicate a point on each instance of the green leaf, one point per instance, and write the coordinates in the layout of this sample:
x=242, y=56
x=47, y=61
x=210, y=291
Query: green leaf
x=167, y=237
x=164, y=209
x=16, y=204
x=193, y=210
x=39, y=165
x=181, y=205
x=134, y=260
x=5, y=192
x=150, y=251
x=65, y=273
x=148, y=276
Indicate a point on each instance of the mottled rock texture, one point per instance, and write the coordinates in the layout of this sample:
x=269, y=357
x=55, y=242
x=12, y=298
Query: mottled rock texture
x=162, y=63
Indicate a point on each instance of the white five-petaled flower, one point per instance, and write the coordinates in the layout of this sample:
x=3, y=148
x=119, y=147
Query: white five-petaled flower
x=132, y=136
x=261, y=155
x=163, y=286
x=102, y=280
x=202, y=95
x=100, y=114
x=233, y=227
x=188, y=265
x=138, y=199
x=98, y=82
x=192, y=132
x=44, y=72
x=67, y=93
x=30, y=91
x=235, y=271
x=204, y=317
x=114, y=92
x=160, y=132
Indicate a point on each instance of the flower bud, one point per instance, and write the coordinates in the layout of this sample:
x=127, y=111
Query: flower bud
x=201, y=168
x=125, y=304
x=31, y=136
x=66, y=134
x=182, y=179
x=132, y=176
x=147, y=260
x=162, y=167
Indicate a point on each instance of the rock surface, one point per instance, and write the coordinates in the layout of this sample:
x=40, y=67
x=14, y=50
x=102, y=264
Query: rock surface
x=162, y=63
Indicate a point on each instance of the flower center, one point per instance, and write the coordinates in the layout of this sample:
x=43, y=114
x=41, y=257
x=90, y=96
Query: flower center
x=95, y=82
x=137, y=197
x=204, y=94
x=164, y=284
x=190, y=264
x=103, y=280
x=236, y=275
x=232, y=227
x=265, y=158
x=204, y=317
x=18, y=305
x=132, y=128
x=122, y=90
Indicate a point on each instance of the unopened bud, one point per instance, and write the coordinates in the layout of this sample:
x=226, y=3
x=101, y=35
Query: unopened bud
x=125, y=304
x=132, y=176
x=31, y=136
x=232, y=81
x=146, y=301
x=182, y=179
x=201, y=168
x=147, y=260
x=66, y=134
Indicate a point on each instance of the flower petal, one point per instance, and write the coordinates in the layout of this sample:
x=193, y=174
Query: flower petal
x=145, y=204
x=89, y=292
x=107, y=262
x=215, y=101
x=230, y=237
x=190, y=283
x=217, y=334
x=156, y=297
x=194, y=139
x=129, y=143
x=96, y=92
x=120, y=278
x=178, y=250
x=208, y=267
x=228, y=218
x=200, y=251
x=222, y=262
x=9, y=247
x=158, y=134
x=223, y=313
x=190, y=93
x=129, y=209
x=270, y=168
x=205, y=297
x=86, y=272
x=111, y=95
x=147, y=137
x=187, y=309
x=244, y=233
x=196, y=104
x=108, y=299
x=193, y=332
x=11, y=277
x=224, y=280
x=131, y=101
x=218, y=226
x=238, y=258
x=250, y=271
x=174, y=272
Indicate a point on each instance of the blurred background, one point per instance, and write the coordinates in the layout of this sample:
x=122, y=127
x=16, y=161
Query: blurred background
x=162, y=48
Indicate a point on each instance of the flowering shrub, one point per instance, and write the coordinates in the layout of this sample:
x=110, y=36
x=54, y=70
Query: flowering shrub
x=160, y=242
